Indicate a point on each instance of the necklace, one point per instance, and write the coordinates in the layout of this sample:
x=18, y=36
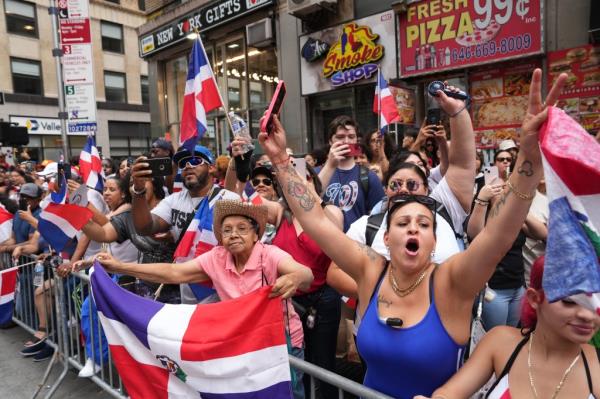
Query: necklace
x=562, y=380
x=402, y=292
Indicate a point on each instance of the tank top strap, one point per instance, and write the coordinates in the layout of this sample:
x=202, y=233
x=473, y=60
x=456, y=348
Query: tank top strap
x=588, y=375
x=509, y=363
x=376, y=288
x=431, y=296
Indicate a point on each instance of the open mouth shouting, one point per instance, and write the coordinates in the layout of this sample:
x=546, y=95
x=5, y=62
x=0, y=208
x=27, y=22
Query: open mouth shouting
x=412, y=246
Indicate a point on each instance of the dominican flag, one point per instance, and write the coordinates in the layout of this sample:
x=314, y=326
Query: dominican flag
x=90, y=165
x=231, y=350
x=201, y=96
x=8, y=282
x=178, y=182
x=571, y=158
x=384, y=103
x=254, y=198
x=6, y=221
x=59, y=223
x=60, y=197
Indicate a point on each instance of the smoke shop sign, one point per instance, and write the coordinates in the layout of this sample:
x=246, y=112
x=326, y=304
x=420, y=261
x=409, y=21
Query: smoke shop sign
x=353, y=56
x=202, y=19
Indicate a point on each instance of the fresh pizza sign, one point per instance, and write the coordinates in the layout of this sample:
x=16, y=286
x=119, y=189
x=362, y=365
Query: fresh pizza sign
x=440, y=35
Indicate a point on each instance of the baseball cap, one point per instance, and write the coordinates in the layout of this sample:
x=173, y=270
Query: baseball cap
x=261, y=170
x=31, y=190
x=507, y=145
x=199, y=150
x=164, y=144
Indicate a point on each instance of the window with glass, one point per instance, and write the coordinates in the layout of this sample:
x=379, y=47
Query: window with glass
x=112, y=37
x=115, y=87
x=144, y=88
x=128, y=138
x=26, y=76
x=20, y=17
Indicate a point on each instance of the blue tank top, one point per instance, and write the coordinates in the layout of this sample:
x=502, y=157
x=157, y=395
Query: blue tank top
x=404, y=362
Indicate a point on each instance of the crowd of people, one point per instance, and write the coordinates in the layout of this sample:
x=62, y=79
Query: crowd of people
x=416, y=234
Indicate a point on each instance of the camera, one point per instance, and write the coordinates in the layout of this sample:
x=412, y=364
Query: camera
x=53, y=261
x=437, y=85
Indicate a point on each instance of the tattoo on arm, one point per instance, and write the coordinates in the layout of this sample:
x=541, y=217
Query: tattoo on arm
x=526, y=169
x=300, y=192
x=373, y=256
x=381, y=299
x=495, y=211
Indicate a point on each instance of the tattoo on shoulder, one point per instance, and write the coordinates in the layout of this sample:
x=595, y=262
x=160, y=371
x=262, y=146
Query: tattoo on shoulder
x=373, y=256
x=299, y=191
x=381, y=299
x=526, y=169
x=495, y=211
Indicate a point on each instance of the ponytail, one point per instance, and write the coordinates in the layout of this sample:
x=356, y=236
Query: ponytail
x=528, y=313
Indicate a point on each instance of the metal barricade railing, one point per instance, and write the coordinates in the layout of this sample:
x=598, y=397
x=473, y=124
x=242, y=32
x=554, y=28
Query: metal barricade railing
x=63, y=300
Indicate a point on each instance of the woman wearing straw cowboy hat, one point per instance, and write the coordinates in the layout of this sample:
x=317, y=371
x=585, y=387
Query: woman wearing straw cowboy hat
x=238, y=265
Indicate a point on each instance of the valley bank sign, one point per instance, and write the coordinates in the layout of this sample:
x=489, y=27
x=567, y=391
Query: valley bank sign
x=38, y=125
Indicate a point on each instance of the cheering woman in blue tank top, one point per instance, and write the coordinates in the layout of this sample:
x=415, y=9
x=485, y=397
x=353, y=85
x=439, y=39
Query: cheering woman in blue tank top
x=415, y=314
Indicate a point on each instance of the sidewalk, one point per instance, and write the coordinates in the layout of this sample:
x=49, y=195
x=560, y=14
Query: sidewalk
x=20, y=376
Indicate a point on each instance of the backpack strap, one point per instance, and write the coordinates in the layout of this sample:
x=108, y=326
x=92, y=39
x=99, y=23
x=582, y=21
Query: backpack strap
x=443, y=212
x=373, y=224
x=364, y=179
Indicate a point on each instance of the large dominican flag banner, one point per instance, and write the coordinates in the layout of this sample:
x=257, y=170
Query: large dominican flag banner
x=59, y=223
x=384, y=103
x=231, y=350
x=201, y=96
x=90, y=165
x=571, y=158
x=8, y=282
x=6, y=222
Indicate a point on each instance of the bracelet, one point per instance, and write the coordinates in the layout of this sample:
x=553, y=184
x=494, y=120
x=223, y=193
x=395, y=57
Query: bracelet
x=481, y=202
x=284, y=162
x=519, y=194
x=141, y=192
x=459, y=111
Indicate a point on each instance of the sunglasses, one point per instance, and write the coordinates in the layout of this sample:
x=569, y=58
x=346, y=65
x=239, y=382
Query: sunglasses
x=192, y=161
x=401, y=199
x=266, y=181
x=411, y=185
x=504, y=159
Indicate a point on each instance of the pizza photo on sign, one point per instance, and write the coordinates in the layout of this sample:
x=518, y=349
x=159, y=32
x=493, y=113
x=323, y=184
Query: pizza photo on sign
x=479, y=36
x=571, y=81
x=482, y=89
x=516, y=85
x=500, y=112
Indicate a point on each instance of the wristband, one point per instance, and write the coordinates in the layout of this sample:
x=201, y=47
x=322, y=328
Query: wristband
x=141, y=192
x=519, y=194
x=459, y=111
x=481, y=202
x=284, y=162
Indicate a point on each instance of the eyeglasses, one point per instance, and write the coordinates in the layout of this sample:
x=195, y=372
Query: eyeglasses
x=191, y=161
x=266, y=181
x=241, y=229
x=411, y=185
x=400, y=199
x=504, y=159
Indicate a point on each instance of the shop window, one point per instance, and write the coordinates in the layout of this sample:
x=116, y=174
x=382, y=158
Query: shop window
x=26, y=76
x=112, y=37
x=144, y=88
x=364, y=8
x=142, y=5
x=128, y=138
x=20, y=17
x=115, y=87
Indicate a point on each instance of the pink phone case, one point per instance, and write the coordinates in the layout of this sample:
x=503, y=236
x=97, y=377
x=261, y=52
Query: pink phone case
x=274, y=107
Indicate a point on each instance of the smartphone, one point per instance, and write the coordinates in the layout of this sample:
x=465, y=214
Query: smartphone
x=434, y=116
x=490, y=173
x=274, y=108
x=66, y=170
x=160, y=166
x=300, y=165
x=355, y=150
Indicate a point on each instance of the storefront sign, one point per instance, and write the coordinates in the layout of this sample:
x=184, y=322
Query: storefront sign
x=357, y=50
x=37, y=125
x=499, y=102
x=440, y=35
x=205, y=18
x=581, y=96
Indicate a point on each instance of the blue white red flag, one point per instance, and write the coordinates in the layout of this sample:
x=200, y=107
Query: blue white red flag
x=8, y=282
x=59, y=223
x=384, y=103
x=571, y=158
x=192, y=351
x=60, y=197
x=200, y=97
x=6, y=221
x=90, y=165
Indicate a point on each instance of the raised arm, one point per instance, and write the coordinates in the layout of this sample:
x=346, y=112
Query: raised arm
x=144, y=221
x=470, y=270
x=349, y=255
x=461, y=155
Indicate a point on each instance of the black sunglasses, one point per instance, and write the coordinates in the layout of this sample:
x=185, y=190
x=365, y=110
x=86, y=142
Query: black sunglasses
x=401, y=199
x=267, y=182
x=504, y=159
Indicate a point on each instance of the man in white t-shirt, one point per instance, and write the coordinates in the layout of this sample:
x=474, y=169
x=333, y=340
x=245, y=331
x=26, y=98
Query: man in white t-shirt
x=174, y=213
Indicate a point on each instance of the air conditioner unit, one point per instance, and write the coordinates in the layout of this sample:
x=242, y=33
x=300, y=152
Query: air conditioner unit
x=260, y=33
x=300, y=8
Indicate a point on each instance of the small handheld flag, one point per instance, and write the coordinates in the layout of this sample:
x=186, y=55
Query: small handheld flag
x=384, y=104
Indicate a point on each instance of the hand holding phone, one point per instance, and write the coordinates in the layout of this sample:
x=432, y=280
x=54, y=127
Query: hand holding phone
x=490, y=173
x=160, y=166
x=355, y=150
x=434, y=116
x=274, y=108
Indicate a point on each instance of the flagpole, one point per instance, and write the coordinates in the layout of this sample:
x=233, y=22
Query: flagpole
x=379, y=100
x=216, y=85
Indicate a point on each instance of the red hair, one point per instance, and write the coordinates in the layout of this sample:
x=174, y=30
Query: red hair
x=528, y=313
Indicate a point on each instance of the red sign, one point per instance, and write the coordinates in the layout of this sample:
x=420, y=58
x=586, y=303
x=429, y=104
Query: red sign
x=440, y=35
x=75, y=31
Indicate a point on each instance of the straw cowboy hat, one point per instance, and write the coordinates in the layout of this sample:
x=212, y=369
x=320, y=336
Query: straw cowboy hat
x=224, y=208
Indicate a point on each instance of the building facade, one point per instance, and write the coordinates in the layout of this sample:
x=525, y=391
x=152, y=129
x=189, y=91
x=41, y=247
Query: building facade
x=28, y=77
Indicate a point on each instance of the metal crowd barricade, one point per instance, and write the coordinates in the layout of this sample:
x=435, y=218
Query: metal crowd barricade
x=63, y=298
